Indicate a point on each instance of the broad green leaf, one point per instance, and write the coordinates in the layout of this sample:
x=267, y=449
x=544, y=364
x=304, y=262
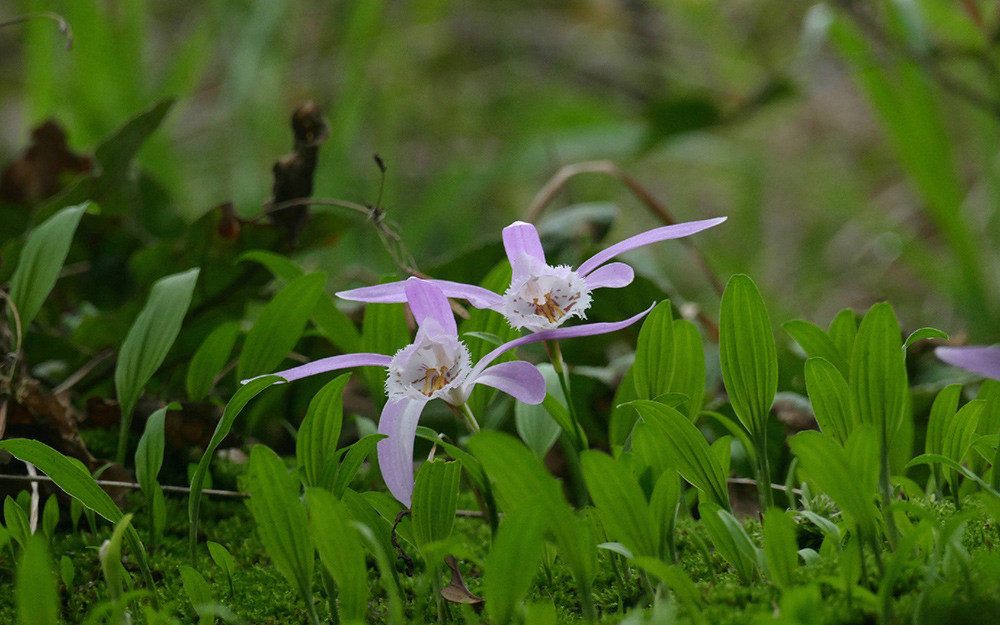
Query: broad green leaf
x=780, y=548
x=473, y=469
x=747, y=354
x=730, y=540
x=383, y=331
x=35, y=589
x=50, y=517
x=830, y=468
x=316, y=444
x=224, y=560
x=110, y=555
x=663, y=506
x=233, y=409
x=77, y=483
x=353, y=459
x=512, y=562
x=878, y=372
x=534, y=424
x=198, y=592
x=942, y=412
x=279, y=326
x=148, y=342
x=959, y=434
x=149, y=452
x=281, y=519
x=669, y=358
x=340, y=551
x=41, y=259
x=621, y=503
x=67, y=571
x=328, y=319
x=816, y=343
x=210, y=359
x=435, y=498
x=843, y=330
x=924, y=334
x=16, y=520
x=654, y=351
x=689, y=450
x=623, y=417
x=831, y=398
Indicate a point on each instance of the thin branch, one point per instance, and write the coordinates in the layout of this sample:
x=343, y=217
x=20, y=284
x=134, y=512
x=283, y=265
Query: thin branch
x=83, y=371
x=131, y=486
x=64, y=27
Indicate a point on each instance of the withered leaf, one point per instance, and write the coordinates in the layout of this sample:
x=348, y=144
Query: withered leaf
x=456, y=591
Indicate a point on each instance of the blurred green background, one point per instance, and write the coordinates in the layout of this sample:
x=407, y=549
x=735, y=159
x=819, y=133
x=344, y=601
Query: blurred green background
x=853, y=145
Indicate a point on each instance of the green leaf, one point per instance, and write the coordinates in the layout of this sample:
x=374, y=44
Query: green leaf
x=224, y=560
x=279, y=326
x=77, y=483
x=534, y=424
x=41, y=259
x=50, y=517
x=780, y=548
x=923, y=334
x=352, y=462
x=512, y=562
x=816, y=343
x=747, y=353
x=316, y=444
x=16, y=520
x=621, y=503
x=831, y=398
x=340, y=551
x=67, y=572
x=198, y=592
x=211, y=357
x=329, y=320
x=680, y=584
x=878, y=372
x=942, y=412
x=233, y=408
x=669, y=358
x=435, y=498
x=115, y=574
x=148, y=342
x=689, y=450
x=829, y=466
x=843, y=330
x=35, y=590
x=149, y=452
x=281, y=519
x=961, y=431
x=730, y=539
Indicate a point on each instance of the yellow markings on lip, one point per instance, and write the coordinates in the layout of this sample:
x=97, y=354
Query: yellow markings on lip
x=550, y=310
x=434, y=380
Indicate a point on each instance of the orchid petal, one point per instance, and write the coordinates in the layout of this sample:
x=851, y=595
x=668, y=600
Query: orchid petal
x=612, y=275
x=395, y=452
x=675, y=231
x=428, y=302
x=519, y=379
x=394, y=292
x=521, y=239
x=333, y=363
x=586, y=329
x=982, y=360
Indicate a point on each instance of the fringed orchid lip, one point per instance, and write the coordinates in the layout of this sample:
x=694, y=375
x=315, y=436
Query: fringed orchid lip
x=541, y=296
x=437, y=366
x=982, y=360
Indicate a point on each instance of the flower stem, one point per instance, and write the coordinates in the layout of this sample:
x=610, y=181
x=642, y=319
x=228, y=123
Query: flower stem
x=468, y=418
x=556, y=357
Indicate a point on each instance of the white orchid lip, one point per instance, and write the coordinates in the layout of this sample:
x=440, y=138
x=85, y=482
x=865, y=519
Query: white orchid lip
x=431, y=367
x=546, y=297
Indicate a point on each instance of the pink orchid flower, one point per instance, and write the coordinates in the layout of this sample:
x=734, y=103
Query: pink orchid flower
x=437, y=366
x=982, y=360
x=542, y=296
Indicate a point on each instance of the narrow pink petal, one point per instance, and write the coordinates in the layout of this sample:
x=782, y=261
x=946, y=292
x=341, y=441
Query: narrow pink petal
x=676, y=231
x=982, y=360
x=586, y=329
x=612, y=275
x=395, y=453
x=428, y=302
x=393, y=292
x=333, y=363
x=521, y=239
x=522, y=380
